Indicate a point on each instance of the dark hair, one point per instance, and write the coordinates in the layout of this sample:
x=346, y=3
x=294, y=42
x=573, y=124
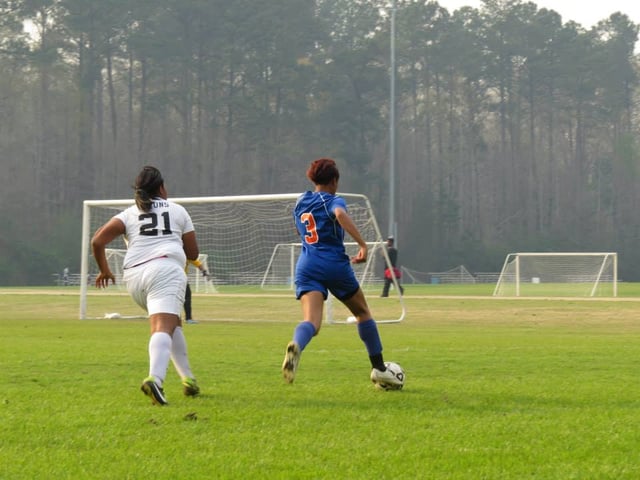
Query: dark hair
x=322, y=171
x=147, y=186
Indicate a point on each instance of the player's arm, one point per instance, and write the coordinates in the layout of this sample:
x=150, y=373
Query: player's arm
x=347, y=224
x=103, y=237
x=190, y=245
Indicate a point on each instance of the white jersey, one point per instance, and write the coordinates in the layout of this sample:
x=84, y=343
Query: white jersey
x=156, y=233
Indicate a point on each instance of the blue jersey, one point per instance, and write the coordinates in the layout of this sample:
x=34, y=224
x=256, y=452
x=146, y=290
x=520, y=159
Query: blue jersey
x=323, y=264
x=319, y=230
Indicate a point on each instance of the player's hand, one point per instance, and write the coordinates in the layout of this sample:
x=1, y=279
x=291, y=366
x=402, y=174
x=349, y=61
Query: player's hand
x=102, y=280
x=205, y=273
x=361, y=257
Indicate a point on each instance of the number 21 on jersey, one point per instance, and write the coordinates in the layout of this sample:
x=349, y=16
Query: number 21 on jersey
x=311, y=235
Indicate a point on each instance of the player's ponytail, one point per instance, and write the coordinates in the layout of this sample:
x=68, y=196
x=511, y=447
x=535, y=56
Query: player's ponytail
x=147, y=186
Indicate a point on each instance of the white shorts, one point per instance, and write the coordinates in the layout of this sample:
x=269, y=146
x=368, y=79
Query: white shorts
x=158, y=286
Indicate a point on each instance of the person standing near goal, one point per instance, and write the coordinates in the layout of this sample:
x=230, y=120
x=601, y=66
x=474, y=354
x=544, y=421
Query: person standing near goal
x=392, y=252
x=321, y=219
x=187, y=294
x=160, y=239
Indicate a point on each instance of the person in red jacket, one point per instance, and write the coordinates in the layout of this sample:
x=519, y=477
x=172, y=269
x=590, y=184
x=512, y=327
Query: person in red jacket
x=392, y=252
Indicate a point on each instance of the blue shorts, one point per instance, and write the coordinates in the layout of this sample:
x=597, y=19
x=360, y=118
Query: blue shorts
x=337, y=277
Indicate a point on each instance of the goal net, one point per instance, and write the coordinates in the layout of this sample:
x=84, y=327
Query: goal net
x=559, y=275
x=249, y=246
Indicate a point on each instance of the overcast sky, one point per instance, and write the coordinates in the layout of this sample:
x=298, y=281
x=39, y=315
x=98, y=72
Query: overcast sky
x=586, y=13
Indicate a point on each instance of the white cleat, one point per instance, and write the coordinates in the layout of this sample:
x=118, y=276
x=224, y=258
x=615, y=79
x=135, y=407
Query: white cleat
x=290, y=363
x=385, y=380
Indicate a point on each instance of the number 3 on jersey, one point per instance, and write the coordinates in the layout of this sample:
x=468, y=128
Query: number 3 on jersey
x=311, y=235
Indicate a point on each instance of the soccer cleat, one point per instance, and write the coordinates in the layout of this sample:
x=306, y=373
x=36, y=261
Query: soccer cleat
x=385, y=380
x=151, y=389
x=190, y=387
x=191, y=321
x=290, y=364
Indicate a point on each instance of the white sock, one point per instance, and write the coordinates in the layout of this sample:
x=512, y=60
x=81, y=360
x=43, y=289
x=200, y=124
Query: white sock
x=159, y=355
x=179, y=354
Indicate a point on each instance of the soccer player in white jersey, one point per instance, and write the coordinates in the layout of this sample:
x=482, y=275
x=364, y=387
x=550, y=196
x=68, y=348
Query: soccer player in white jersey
x=160, y=239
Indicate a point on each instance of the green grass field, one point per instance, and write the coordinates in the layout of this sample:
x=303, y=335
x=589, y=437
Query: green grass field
x=496, y=389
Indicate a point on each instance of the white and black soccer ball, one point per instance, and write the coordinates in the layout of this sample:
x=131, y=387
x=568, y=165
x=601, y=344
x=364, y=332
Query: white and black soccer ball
x=397, y=372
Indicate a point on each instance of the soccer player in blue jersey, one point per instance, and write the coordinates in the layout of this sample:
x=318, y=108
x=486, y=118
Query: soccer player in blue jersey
x=321, y=219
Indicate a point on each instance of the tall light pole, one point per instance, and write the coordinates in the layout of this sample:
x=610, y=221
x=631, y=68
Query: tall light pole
x=392, y=125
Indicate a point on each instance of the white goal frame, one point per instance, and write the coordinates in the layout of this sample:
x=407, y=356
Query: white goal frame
x=374, y=237
x=512, y=271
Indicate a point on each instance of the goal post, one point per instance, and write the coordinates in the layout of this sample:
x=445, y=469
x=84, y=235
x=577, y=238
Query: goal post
x=558, y=274
x=249, y=244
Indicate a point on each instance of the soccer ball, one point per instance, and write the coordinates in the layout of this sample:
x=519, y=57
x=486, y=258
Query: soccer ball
x=397, y=372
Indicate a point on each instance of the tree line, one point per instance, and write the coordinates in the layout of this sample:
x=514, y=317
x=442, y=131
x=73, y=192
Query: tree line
x=516, y=130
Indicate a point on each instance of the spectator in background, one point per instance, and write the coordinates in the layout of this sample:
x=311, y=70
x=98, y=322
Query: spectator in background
x=392, y=252
x=65, y=276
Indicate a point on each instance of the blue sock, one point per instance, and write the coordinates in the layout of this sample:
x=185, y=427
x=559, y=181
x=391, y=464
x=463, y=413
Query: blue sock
x=303, y=334
x=368, y=331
